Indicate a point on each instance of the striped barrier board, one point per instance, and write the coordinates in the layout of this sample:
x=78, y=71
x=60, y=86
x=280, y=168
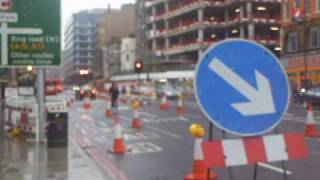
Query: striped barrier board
x=251, y=150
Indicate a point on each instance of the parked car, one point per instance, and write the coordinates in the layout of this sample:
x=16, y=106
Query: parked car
x=169, y=91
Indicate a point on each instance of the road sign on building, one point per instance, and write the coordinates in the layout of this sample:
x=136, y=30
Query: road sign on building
x=241, y=87
x=30, y=33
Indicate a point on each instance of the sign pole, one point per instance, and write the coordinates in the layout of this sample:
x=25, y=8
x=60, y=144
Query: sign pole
x=210, y=138
x=139, y=86
x=41, y=109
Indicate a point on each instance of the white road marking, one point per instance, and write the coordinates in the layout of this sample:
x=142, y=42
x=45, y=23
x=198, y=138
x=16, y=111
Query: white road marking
x=84, y=132
x=143, y=148
x=298, y=120
x=165, y=132
x=148, y=114
x=195, y=116
x=275, y=169
x=102, y=124
x=157, y=130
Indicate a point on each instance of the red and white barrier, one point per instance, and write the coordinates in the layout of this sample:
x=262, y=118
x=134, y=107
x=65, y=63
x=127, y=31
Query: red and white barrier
x=271, y=148
x=311, y=127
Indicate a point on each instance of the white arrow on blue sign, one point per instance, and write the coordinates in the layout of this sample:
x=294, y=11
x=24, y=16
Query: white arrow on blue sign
x=241, y=87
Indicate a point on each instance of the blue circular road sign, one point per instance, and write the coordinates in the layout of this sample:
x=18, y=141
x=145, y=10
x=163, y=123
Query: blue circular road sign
x=241, y=87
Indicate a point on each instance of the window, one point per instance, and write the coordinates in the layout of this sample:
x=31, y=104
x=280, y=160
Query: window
x=318, y=5
x=128, y=57
x=314, y=37
x=297, y=3
x=307, y=9
x=286, y=10
x=292, y=42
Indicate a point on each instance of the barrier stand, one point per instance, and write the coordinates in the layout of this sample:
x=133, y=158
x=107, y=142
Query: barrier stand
x=199, y=169
x=108, y=112
x=311, y=127
x=180, y=109
x=164, y=105
x=136, y=105
x=118, y=142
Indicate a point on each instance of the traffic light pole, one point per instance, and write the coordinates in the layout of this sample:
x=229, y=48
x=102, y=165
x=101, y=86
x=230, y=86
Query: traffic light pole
x=139, y=85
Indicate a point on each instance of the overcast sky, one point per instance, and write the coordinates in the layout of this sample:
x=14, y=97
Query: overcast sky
x=72, y=6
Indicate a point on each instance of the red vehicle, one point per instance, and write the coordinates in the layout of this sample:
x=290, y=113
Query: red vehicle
x=53, y=87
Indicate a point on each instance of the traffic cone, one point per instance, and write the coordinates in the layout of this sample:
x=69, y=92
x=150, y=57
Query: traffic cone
x=118, y=142
x=311, y=128
x=164, y=105
x=199, y=169
x=136, y=123
x=180, y=109
x=109, y=109
x=87, y=103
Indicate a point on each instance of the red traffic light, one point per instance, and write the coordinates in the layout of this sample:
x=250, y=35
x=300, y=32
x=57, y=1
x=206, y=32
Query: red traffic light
x=138, y=66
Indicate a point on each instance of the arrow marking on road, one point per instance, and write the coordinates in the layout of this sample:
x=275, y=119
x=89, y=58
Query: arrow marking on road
x=260, y=99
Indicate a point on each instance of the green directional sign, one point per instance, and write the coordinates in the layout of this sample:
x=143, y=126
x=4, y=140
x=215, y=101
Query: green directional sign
x=30, y=33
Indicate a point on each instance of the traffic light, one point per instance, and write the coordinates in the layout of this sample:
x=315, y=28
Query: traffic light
x=138, y=66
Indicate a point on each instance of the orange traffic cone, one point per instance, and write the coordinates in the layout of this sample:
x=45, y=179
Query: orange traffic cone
x=164, y=105
x=180, y=109
x=136, y=123
x=199, y=169
x=87, y=103
x=109, y=109
x=311, y=128
x=118, y=142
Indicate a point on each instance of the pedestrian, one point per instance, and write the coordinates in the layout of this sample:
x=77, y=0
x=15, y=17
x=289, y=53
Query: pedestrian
x=114, y=93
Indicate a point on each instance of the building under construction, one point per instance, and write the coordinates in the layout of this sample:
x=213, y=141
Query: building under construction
x=179, y=31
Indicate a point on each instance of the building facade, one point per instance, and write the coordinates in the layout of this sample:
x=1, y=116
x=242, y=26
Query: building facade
x=79, y=45
x=128, y=55
x=301, y=41
x=115, y=23
x=179, y=31
x=111, y=58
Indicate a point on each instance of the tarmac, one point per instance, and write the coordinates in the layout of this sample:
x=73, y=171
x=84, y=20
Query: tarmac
x=23, y=159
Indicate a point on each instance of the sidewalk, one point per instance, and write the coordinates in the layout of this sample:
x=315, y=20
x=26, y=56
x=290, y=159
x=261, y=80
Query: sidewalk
x=23, y=160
